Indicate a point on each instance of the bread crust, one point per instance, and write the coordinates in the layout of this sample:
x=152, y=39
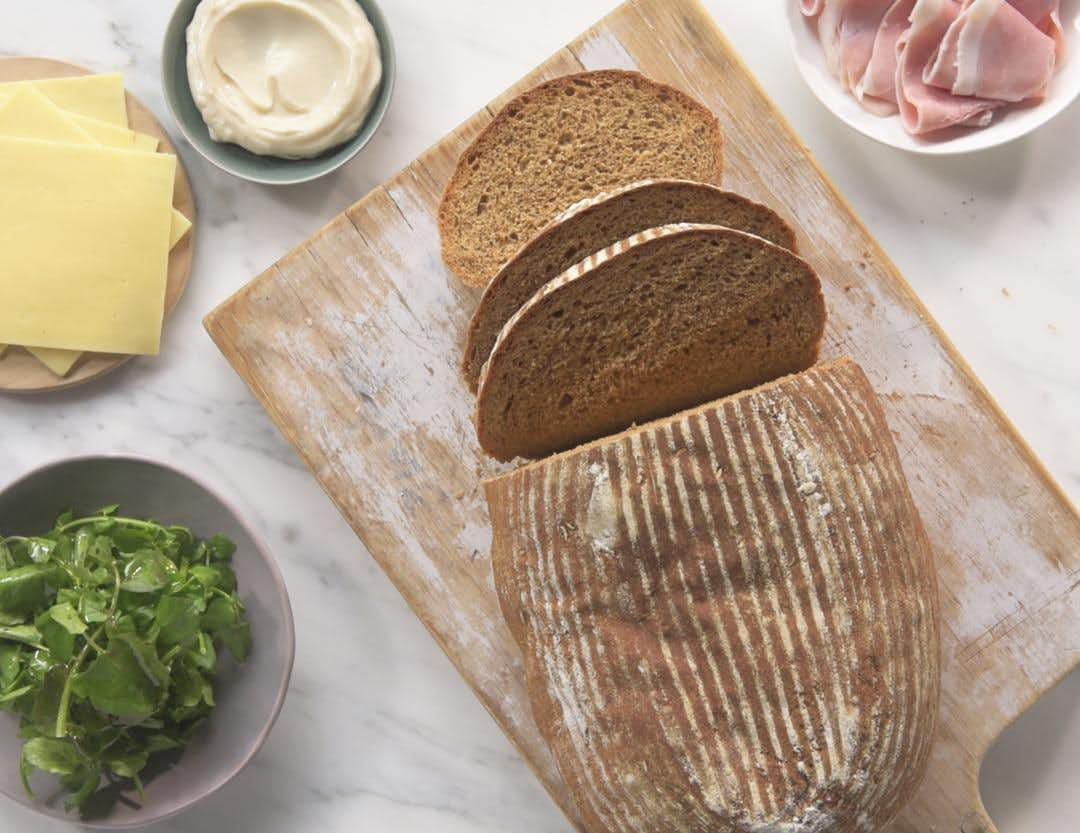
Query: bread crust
x=729, y=617
x=453, y=254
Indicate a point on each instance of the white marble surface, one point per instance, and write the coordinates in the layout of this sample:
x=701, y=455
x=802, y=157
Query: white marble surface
x=378, y=732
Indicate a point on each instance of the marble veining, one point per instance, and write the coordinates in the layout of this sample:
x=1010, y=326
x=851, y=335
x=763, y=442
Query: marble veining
x=378, y=732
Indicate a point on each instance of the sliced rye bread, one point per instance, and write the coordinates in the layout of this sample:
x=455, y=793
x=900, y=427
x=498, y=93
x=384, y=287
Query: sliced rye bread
x=595, y=224
x=566, y=140
x=668, y=319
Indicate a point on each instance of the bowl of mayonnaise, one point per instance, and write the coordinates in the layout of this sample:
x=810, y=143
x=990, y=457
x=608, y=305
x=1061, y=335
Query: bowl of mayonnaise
x=278, y=91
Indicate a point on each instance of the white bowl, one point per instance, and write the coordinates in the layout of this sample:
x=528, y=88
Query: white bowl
x=1014, y=122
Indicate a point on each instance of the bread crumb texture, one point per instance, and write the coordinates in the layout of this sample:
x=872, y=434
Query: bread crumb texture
x=666, y=320
x=594, y=224
x=568, y=139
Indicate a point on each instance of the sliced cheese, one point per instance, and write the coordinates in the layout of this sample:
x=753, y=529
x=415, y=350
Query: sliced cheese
x=30, y=114
x=145, y=143
x=98, y=96
x=84, y=246
x=59, y=362
x=103, y=133
x=112, y=136
x=180, y=226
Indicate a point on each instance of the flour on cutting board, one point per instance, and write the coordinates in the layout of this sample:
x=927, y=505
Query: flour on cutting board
x=387, y=505
x=393, y=355
x=603, y=49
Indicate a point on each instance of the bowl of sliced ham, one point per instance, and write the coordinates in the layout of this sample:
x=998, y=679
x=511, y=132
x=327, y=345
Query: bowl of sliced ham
x=939, y=76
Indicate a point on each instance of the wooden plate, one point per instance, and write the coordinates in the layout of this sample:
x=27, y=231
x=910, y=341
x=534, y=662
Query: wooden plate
x=20, y=372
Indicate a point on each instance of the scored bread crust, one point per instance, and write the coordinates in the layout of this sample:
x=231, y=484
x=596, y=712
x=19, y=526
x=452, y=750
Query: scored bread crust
x=729, y=617
x=722, y=207
x=490, y=425
x=453, y=253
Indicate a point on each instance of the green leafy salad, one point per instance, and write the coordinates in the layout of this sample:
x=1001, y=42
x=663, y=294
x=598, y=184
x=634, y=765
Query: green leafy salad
x=110, y=629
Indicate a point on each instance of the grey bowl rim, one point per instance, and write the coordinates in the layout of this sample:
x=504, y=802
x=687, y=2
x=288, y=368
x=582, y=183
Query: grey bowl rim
x=389, y=79
x=279, y=581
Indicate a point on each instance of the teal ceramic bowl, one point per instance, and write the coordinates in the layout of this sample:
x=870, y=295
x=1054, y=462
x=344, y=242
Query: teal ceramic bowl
x=233, y=159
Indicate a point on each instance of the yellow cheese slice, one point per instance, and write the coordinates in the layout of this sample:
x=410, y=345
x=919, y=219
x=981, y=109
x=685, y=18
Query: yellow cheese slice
x=98, y=96
x=59, y=362
x=30, y=114
x=103, y=133
x=181, y=225
x=148, y=144
x=112, y=136
x=84, y=246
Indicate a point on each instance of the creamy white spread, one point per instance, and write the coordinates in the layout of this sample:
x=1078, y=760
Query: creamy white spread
x=288, y=78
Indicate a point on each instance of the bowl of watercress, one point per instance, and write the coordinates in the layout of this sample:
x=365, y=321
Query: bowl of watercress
x=146, y=641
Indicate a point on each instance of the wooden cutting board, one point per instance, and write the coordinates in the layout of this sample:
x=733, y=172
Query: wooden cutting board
x=352, y=344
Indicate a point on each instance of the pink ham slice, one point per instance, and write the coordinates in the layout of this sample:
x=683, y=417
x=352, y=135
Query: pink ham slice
x=811, y=8
x=1045, y=15
x=848, y=29
x=993, y=51
x=925, y=108
x=877, y=89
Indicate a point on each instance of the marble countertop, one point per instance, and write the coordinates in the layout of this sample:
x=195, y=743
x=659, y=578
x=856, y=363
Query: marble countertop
x=378, y=732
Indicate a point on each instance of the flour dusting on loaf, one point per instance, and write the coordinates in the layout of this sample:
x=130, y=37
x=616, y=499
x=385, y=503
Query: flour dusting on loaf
x=729, y=617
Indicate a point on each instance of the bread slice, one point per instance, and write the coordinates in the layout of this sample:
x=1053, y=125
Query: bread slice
x=568, y=139
x=670, y=318
x=729, y=618
x=595, y=224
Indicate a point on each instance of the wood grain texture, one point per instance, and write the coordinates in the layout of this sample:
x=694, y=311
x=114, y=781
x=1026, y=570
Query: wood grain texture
x=20, y=372
x=729, y=618
x=352, y=343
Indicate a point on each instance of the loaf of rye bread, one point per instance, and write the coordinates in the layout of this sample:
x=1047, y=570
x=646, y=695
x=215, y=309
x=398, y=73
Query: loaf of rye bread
x=673, y=317
x=566, y=140
x=729, y=617
x=595, y=224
